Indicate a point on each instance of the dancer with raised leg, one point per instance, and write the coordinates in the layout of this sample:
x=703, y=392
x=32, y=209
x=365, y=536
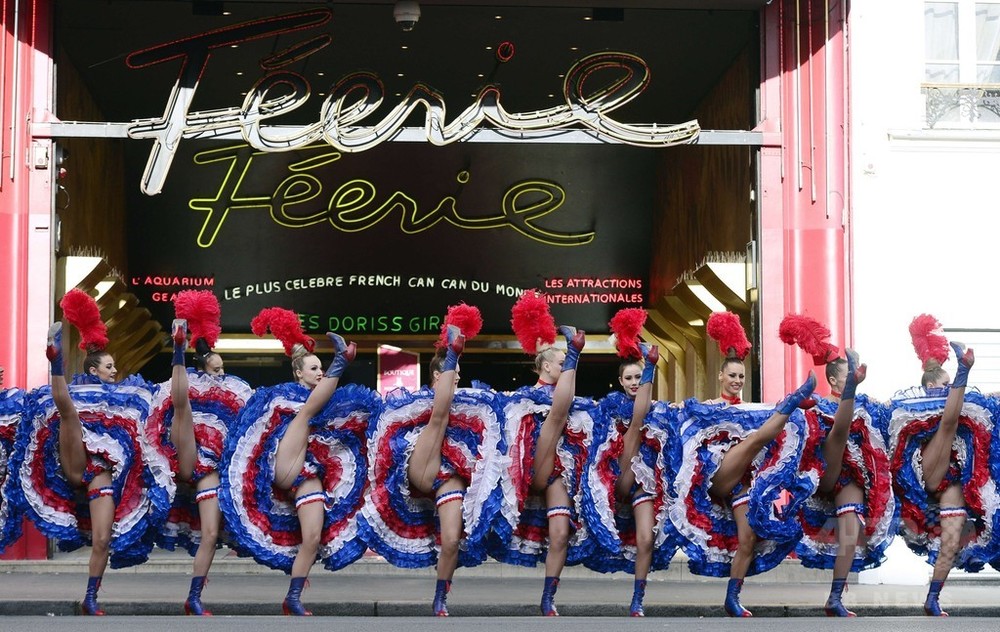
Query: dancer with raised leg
x=436, y=467
x=546, y=477
x=189, y=423
x=425, y=471
x=270, y=469
x=724, y=450
x=947, y=495
x=628, y=459
x=548, y=434
x=851, y=519
x=86, y=435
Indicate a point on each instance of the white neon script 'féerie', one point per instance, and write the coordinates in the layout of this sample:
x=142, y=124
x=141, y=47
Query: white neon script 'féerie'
x=357, y=95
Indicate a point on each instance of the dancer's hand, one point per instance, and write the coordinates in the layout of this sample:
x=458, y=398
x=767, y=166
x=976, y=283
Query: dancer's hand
x=966, y=358
x=856, y=374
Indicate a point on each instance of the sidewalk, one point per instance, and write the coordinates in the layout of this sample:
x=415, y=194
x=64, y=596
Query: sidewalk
x=371, y=587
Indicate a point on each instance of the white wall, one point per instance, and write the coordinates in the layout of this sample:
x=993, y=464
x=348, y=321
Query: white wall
x=926, y=206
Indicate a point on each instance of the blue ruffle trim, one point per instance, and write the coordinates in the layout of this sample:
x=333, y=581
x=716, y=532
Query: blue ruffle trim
x=910, y=489
x=694, y=419
x=132, y=395
x=12, y=414
x=279, y=515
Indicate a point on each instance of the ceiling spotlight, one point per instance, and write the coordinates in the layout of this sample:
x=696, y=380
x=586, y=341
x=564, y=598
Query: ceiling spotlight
x=406, y=13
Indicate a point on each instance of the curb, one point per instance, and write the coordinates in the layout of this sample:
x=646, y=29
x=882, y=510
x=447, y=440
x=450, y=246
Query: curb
x=423, y=609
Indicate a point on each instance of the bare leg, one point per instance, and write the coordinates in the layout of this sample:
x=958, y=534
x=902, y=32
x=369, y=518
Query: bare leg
x=449, y=499
x=182, y=426
x=747, y=541
x=310, y=506
x=555, y=421
x=72, y=451
x=560, y=508
x=291, y=453
x=741, y=562
x=310, y=517
x=558, y=502
x=425, y=460
x=937, y=453
x=633, y=436
x=848, y=530
x=836, y=441
x=850, y=512
x=644, y=522
x=211, y=519
x=450, y=518
x=102, y=518
x=737, y=460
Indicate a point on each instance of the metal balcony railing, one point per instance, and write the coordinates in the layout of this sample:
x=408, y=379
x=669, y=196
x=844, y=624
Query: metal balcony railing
x=962, y=105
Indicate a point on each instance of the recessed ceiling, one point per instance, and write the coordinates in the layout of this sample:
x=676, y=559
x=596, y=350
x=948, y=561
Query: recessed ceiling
x=452, y=49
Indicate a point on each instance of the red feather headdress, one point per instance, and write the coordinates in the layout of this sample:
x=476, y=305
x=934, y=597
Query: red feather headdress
x=810, y=335
x=284, y=325
x=726, y=329
x=532, y=322
x=929, y=340
x=465, y=317
x=200, y=308
x=627, y=324
x=81, y=310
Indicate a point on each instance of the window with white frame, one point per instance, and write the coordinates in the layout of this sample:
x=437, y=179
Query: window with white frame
x=986, y=343
x=962, y=63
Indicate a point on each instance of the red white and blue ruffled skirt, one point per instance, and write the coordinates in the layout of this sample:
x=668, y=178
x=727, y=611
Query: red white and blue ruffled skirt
x=400, y=524
x=707, y=530
x=915, y=418
x=866, y=464
x=522, y=533
x=12, y=414
x=112, y=416
x=260, y=519
x=610, y=519
x=215, y=403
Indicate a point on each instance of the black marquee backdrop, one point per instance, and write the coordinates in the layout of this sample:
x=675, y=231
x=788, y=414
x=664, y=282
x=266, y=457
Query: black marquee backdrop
x=382, y=241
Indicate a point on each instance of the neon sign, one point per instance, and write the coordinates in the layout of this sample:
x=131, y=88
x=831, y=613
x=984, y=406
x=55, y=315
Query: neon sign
x=358, y=95
x=355, y=205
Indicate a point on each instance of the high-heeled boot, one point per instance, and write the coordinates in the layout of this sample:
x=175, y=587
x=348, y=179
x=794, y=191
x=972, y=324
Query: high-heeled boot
x=549, y=597
x=966, y=358
x=179, y=337
x=575, y=341
x=638, y=594
x=733, y=606
x=799, y=395
x=193, y=604
x=651, y=355
x=89, y=605
x=53, y=348
x=441, y=597
x=293, y=600
x=343, y=355
x=834, y=604
x=456, y=345
x=931, y=606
